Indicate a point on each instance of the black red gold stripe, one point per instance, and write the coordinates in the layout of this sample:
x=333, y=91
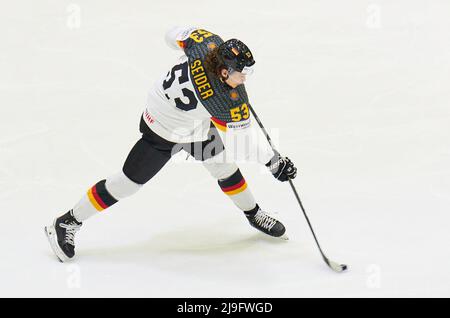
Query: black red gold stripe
x=100, y=197
x=221, y=125
x=234, y=184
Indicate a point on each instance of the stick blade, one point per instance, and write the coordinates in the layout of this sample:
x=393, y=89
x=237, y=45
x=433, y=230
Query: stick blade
x=338, y=268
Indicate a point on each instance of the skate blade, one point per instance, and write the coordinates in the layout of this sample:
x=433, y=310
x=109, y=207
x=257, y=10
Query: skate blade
x=50, y=232
x=284, y=237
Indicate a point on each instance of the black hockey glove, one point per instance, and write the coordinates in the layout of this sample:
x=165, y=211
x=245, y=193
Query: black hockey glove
x=282, y=168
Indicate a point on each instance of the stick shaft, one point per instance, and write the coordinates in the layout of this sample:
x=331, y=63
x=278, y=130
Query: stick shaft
x=290, y=183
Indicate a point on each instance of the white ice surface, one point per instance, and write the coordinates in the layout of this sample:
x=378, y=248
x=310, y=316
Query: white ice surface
x=357, y=92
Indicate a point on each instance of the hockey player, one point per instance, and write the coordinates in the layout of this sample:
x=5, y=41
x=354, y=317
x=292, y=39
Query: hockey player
x=201, y=98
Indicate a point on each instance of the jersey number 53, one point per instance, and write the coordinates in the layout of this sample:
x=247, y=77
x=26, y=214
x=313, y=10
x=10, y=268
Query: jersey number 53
x=199, y=35
x=182, y=72
x=239, y=113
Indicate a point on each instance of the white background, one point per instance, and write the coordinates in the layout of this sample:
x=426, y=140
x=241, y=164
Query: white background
x=356, y=91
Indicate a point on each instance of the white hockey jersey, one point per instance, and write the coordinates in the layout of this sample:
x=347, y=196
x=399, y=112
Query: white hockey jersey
x=184, y=101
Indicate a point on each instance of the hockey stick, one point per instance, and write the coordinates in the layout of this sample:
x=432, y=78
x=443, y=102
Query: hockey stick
x=333, y=265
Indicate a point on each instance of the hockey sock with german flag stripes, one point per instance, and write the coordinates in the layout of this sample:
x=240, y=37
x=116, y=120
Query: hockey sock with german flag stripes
x=100, y=197
x=237, y=190
x=96, y=200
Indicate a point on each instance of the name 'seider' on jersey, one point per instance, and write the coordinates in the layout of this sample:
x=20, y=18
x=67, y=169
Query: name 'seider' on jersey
x=200, y=80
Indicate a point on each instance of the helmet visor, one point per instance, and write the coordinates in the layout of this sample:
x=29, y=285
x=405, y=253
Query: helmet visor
x=248, y=70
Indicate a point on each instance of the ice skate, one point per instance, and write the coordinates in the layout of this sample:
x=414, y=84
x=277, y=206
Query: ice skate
x=61, y=236
x=267, y=224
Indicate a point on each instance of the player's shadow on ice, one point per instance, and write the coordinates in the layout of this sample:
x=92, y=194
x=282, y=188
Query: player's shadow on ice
x=191, y=242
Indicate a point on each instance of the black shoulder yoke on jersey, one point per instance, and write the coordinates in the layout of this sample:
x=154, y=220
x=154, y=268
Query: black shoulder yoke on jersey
x=223, y=102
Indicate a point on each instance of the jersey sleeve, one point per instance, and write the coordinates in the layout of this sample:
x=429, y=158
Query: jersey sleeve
x=176, y=36
x=243, y=140
x=250, y=144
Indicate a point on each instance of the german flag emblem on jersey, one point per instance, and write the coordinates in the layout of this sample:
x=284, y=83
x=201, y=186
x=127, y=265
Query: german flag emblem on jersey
x=212, y=45
x=234, y=95
x=181, y=44
x=221, y=125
